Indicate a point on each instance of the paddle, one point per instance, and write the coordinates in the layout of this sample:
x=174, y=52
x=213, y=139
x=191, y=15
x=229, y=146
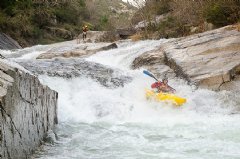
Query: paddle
x=149, y=74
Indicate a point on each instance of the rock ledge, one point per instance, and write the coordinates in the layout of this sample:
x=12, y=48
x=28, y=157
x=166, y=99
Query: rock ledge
x=28, y=110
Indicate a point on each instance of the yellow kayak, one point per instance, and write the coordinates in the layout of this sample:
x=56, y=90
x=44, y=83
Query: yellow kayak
x=178, y=101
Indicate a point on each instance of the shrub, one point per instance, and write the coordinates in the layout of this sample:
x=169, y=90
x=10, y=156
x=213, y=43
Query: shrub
x=37, y=32
x=72, y=12
x=217, y=15
x=43, y=16
x=104, y=23
x=161, y=7
x=3, y=19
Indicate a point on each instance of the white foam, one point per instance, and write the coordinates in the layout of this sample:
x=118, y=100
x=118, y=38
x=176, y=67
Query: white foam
x=83, y=100
x=125, y=54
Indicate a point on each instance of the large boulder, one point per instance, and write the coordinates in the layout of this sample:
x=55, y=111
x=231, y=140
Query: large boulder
x=209, y=60
x=126, y=32
x=72, y=68
x=154, y=60
x=7, y=43
x=153, y=57
x=28, y=110
x=75, y=52
x=118, y=34
x=108, y=36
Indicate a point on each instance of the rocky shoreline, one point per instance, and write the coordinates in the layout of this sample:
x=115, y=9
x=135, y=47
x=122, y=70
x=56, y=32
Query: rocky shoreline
x=28, y=110
x=7, y=43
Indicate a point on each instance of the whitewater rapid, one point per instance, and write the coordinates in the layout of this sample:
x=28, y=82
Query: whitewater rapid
x=96, y=122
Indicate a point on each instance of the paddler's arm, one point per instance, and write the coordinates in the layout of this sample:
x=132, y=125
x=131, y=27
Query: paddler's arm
x=172, y=90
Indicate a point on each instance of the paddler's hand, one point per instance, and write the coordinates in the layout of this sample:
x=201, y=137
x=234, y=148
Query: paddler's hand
x=173, y=91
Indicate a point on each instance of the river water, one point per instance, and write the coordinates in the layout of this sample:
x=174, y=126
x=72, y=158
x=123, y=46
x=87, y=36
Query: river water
x=97, y=122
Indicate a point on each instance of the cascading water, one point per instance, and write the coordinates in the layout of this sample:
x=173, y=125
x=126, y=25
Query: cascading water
x=98, y=122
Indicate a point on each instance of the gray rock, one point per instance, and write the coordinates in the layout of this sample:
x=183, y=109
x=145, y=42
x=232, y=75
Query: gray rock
x=111, y=46
x=154, y=57
x=74, y=52
x=118, y=34
x=108, y=36
x=155, y=62
x=7, y=43
x=70, y=68
x=126, y=32
x=2, y=57
x=28, y=110
x=209, y=60
x=157, y=20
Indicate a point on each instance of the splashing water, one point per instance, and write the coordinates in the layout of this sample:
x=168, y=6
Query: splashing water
x=96, y=122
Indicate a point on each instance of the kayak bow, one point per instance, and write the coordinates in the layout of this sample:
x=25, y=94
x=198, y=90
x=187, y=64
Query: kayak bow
x=178, y=101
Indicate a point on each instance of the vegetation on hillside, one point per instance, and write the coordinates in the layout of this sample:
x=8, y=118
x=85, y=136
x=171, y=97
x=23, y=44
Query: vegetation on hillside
x=40, y=22
x=31, y=22
x=110, y=14
x=184, y=17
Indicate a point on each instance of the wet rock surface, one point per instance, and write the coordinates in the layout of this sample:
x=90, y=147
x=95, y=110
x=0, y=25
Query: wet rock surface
x=155, y=61
x=70, y=68
x=7, y=43
x=154, y=57
x=209, y=60
x=28, y=110
x=74, y=52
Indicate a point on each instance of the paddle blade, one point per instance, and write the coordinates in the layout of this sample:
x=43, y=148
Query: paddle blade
x=149, y=74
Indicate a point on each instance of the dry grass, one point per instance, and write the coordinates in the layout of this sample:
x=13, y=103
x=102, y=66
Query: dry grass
x=136, y=37
x=238, y=27
x=234, y=27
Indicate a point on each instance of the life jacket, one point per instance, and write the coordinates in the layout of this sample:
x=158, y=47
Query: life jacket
x=85, y=29
x=156, y=84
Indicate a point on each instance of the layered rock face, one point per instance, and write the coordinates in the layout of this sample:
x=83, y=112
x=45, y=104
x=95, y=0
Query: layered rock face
x=7, y=43
x=154, y=61
x=209, y=60
x=28, y=110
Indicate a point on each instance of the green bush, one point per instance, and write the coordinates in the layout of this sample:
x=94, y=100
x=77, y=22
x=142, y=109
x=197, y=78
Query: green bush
x=66, y=15
x=7, y=6
x=3, y=19
x=37, y=32
x=43, y=16
x=103, y=22
x=218, y=15
x=72, y=12
x=162, y=6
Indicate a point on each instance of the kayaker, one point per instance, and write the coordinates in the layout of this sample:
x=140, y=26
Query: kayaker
x=163, y=86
